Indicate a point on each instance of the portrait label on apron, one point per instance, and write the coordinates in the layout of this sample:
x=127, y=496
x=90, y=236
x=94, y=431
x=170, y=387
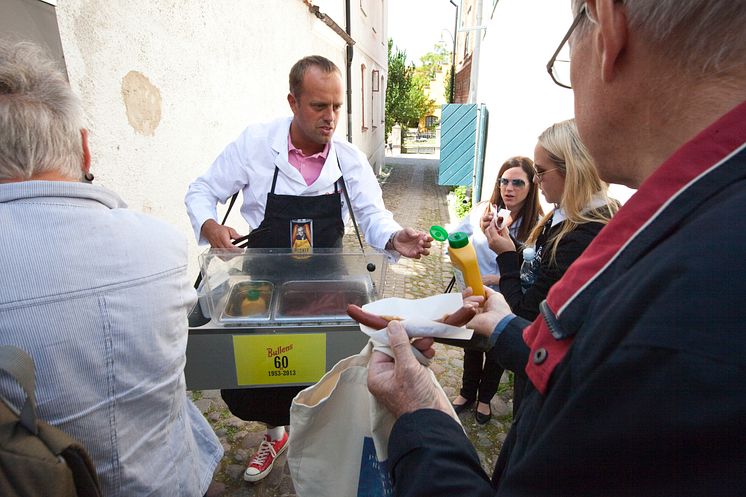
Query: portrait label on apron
x=301, y=236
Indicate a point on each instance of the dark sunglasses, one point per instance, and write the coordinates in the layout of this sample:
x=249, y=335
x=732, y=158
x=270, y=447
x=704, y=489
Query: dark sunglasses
x=517, y=183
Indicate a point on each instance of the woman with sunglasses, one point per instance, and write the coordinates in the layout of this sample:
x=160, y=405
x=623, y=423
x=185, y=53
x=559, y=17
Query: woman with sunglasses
x=567, y=177
x=514, y=190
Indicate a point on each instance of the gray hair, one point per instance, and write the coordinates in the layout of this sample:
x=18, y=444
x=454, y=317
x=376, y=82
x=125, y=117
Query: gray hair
x=40, y=116
x=703, y=37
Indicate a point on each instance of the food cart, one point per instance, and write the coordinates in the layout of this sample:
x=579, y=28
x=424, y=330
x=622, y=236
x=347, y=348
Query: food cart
x=271, y=317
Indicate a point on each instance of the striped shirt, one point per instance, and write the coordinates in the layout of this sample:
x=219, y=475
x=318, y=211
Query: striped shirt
x=98, y=296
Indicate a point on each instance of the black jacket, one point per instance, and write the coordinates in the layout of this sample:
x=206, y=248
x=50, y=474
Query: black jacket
x=568, y=249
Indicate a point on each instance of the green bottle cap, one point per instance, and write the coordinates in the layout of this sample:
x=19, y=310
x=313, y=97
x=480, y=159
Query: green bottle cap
x=252, y=295
x=458, y=239
x=438, y=233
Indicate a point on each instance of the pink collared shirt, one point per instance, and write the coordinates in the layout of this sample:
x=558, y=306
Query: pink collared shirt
x=308, y=165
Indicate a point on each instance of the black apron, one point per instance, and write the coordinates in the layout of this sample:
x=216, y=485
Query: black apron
x=283, y=215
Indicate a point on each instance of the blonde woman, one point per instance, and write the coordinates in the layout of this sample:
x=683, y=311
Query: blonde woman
x=567, y=177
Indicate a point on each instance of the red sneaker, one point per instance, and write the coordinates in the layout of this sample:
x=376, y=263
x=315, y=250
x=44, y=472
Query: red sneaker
x=261, y=463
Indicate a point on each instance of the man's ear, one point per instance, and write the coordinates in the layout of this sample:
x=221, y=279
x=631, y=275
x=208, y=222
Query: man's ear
x=612, y=34
x=293, y=103
x=86, y=165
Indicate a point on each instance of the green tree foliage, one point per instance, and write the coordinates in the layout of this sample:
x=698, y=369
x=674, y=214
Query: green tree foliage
x=462, y=197
x=448, y=85
x=432, y=62
x=406, y=101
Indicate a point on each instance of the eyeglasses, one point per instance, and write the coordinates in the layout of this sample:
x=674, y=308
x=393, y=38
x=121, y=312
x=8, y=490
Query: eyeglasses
x=559, y=67
x=539, y=175
x=517, y=183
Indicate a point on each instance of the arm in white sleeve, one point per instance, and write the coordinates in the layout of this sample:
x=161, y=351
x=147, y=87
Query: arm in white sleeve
x=375, y=221
x=226, y=176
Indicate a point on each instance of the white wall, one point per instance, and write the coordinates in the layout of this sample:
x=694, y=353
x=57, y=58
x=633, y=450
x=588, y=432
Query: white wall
x=370, y=49
x=513, y=82
x=206, y=68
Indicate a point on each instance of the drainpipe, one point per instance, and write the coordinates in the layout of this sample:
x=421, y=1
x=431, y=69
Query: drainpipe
x=453, y=53
x=473, y=80
x=348, y=68
x=346, y=36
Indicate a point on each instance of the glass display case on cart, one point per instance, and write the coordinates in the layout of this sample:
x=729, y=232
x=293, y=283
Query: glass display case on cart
x=268, y=317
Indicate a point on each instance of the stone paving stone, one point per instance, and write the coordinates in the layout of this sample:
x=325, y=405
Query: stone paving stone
x=411, y=192
x=204, y=405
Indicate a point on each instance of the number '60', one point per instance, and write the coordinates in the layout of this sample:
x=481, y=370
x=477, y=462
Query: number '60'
x=281, y=362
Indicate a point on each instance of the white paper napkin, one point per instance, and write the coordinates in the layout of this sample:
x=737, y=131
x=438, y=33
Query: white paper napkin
x=418, y=317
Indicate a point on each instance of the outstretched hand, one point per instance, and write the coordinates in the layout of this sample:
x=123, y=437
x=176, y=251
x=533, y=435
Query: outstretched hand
x=401, y=383
x=412, y=243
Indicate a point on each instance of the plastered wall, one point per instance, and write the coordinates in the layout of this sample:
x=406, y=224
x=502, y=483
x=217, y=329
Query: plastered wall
x=369, y=32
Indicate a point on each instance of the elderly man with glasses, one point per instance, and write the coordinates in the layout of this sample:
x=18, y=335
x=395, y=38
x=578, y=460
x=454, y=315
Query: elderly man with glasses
x=637, y=362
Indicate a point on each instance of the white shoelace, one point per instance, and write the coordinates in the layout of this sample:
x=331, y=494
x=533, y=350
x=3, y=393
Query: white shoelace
x=265, y=449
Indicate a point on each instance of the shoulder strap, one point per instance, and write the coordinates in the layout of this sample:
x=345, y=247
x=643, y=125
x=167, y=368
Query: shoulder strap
x=233, y=201
x=274, y=179
x=20, y=366
x=349, y=206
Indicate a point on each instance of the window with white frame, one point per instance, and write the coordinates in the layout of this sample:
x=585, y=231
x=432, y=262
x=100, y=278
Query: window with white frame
x=383, y=99
x=375, y=96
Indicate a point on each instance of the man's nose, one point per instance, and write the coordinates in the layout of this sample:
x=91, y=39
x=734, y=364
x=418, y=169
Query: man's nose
x=328, y=114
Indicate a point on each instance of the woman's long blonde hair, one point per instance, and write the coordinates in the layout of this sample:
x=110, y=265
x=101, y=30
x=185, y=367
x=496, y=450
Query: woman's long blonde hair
x=582, y=184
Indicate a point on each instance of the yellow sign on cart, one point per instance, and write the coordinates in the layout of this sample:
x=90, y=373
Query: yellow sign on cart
x=279, y=359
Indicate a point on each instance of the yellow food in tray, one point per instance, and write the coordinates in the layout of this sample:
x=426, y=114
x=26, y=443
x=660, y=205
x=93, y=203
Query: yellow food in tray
x=249, y=299
x=253, y=304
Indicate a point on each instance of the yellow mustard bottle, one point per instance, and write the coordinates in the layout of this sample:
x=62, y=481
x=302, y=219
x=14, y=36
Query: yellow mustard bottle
x=464, y=261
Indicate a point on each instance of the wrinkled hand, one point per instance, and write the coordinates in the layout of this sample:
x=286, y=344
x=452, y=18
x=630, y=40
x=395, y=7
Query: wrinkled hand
x=218, y=235
x=495, y=308
x=412, y=243
x=401, y=383
x=499, y=240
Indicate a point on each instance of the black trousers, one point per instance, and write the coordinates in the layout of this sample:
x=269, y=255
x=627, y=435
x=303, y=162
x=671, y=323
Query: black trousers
x=481, y=376
x=269, y=405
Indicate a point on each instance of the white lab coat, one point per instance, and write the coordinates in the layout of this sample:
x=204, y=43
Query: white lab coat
x=248, y=164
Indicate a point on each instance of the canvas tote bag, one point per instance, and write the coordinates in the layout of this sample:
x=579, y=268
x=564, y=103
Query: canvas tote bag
x=339, y=433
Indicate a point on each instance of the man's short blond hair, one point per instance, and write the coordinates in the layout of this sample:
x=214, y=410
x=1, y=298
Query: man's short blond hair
x=298, y=71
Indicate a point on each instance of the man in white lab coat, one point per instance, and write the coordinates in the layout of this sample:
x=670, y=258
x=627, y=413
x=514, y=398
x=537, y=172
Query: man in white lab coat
x=292, y=172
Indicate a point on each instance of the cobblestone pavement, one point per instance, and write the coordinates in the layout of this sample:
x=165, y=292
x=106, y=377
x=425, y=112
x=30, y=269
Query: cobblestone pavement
x=410, y=191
